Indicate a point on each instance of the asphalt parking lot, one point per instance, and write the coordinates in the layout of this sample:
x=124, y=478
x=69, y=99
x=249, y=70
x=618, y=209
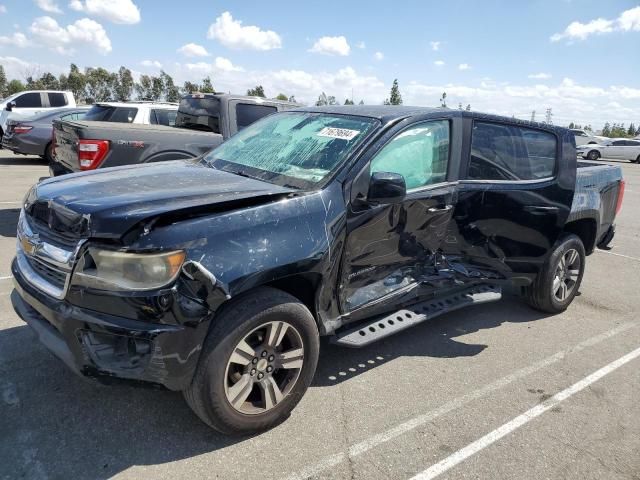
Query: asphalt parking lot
x=447, y=397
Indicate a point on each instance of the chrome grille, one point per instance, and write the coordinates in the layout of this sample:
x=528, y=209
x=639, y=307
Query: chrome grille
x=49, y=273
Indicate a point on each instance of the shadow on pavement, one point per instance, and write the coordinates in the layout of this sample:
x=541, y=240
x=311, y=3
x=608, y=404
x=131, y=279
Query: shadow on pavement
x=56, y=423
x=20, y=160
x=9, y=221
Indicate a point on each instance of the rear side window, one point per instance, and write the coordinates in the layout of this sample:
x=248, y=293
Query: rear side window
x=505, y=152
x=247, y=113
x=105, y=113
x=28, y=100
x=73, y=116
x=163, y=117
x=619, y=143
x=57, y=99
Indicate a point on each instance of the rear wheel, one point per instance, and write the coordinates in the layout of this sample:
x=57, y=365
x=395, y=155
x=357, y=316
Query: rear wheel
x=559, y=280
x=256, y=364
x=638, y=159
x=593, y=155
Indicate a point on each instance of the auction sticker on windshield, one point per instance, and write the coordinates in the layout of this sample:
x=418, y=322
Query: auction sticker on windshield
x=341, y=133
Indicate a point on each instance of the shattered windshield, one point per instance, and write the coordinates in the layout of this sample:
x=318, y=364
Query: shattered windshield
x=297, y=149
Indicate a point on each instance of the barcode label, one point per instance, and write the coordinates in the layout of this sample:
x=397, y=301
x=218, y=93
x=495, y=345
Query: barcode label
x=341, y=133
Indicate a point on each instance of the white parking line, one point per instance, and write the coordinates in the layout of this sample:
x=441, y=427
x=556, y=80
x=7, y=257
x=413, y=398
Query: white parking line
x=618, y=255
x=6, y=278
x=11, y=203
x=492, y=437
x=405, y=427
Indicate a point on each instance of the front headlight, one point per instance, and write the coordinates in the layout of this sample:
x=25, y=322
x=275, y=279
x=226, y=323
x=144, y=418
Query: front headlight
x=117, y=271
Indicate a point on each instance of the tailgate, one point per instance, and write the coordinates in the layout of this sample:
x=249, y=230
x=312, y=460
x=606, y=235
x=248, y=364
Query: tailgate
x=66, y=144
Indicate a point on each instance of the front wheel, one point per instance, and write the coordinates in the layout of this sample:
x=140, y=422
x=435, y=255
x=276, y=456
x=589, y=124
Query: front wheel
x=559, y=280
x=593, y=155
x=257, y=362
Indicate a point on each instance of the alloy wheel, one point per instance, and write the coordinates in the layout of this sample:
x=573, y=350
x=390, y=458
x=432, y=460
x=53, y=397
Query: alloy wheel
x=264, y=367
x=566, y=275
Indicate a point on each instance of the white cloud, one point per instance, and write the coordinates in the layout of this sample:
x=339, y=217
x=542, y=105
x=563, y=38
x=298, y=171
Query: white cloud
x=435, y=46
x=151, y=63
x=3, y=9
x=438, y=63
x=627, y=21
x=232, y=34
x=378, y=56
x=361, y=44
x=48, y=6
x=63, y=39
x=193, y=50
x=331, y=46
x=18, y=68
x=116, y=11
x=569, y=100
x=464, y=66
x=225, y=65
x=540, y=76
x=18, y=39
x=630, y=19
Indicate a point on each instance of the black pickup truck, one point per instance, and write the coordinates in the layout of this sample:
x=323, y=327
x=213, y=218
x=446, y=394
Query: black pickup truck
x=204, y=121
x=217, y=276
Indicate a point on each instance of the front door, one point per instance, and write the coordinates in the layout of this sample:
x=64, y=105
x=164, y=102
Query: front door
x=391, y=249
x=513, y=200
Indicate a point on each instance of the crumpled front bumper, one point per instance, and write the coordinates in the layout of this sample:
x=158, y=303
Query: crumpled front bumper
x=104, y=346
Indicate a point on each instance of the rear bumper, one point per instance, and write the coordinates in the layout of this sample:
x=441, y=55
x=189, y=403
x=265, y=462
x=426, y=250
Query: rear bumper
x=106, y=347
x=23, y=146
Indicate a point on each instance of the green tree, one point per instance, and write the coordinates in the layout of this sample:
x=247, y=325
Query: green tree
x=571, y=125
x=361, y=102
x=99, y=84
x=468, y=107
x=157, y=87
x=256, y=91
x=124, y=85
x=282, y=96
x=207, y=86
x=76, y=82
x=443, y=100
x=395, y=98
x=292, y=98
x=348, y=102
x=3, y=82
x=190, y=87
x=632, y=130
x=171, y=91
x=49, y=82
x=606, y=130
x=143, y=88
x=322, y=100
x=15, y=86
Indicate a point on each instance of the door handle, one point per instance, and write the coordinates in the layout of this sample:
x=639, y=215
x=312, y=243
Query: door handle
x=446, y=208
x=540, y=209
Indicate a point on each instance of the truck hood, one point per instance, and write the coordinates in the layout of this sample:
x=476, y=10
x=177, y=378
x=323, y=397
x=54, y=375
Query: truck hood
x=108, y=203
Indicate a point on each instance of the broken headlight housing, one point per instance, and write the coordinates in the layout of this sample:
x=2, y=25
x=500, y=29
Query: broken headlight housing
x=125, y=271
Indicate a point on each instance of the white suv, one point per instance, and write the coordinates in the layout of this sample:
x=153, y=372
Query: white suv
x=146, y=113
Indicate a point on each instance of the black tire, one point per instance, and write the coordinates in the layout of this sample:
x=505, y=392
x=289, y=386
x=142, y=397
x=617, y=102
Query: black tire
x=206, y=395
x=638, y=159
x=540, y=295
x=48, y=153
x=593, y=155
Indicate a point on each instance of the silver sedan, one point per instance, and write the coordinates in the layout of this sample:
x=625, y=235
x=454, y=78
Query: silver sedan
x=616, y=148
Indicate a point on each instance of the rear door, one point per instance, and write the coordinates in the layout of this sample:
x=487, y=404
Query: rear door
x=632, y=150
x=390, y=250
x=515, y=195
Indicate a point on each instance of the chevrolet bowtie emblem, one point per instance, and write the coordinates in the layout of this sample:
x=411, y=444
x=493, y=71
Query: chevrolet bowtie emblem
x=30, y=245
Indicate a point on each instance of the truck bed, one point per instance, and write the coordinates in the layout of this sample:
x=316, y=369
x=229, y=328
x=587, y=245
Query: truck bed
x=130, y=143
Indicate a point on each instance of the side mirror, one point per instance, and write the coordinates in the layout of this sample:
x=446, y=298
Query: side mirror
x=386, y=187
x=10, y=106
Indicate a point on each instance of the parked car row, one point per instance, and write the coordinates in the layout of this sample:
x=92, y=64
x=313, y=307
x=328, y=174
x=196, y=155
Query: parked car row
x=199, y=123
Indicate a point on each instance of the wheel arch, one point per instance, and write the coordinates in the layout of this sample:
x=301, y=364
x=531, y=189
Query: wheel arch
x=586, y=229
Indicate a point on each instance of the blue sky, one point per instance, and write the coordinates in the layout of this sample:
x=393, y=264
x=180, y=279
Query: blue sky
x=578, y=57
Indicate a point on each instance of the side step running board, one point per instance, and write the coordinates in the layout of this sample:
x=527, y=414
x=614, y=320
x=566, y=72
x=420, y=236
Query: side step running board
x=373, y=330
